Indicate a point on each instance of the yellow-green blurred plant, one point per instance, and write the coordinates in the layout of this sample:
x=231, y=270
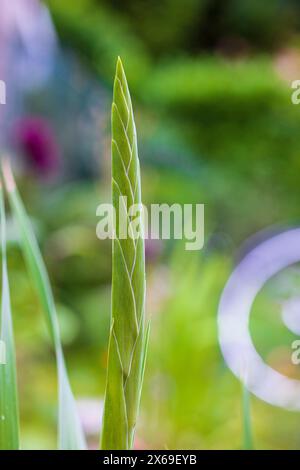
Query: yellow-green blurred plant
x=70, y=435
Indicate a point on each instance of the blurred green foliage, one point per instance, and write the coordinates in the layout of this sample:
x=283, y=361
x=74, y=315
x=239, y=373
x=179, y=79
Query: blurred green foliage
x=99, y=36
x=165, y=26
x=221, y=118
x=216, y=126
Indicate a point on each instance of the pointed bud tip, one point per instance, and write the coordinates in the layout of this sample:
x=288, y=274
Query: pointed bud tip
x=119, y=62
x=120, y=73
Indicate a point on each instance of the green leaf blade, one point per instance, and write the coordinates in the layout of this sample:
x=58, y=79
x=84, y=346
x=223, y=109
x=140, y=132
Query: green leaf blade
x=248, y=443
x=70, y=434
x=9, y=410
x=114, y=437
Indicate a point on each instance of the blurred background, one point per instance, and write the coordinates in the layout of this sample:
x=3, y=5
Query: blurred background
x=211, y=87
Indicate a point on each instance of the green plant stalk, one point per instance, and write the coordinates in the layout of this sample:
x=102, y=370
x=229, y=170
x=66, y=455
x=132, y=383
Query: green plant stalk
x=70, y=434
x=247, y=427
x=9, y=410
x=128, y=334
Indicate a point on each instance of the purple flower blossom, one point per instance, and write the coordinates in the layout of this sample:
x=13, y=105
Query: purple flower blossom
x=35, y=138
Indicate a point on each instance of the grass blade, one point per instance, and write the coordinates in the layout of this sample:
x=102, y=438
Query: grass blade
x=128, y=340
x=70, y=435
x=9, y=411
x=247, y=427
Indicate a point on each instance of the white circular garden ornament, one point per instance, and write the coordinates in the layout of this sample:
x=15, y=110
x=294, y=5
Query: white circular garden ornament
x=248, y=278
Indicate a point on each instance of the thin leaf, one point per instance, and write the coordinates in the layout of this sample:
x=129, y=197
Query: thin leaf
x=9, y=411
x=70, y=434
x=115, y=404
x=247, y=427
x=127, y=345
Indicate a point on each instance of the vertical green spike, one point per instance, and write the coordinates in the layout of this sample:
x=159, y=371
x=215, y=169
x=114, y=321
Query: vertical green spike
x=128, y=336
x=247, y=427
